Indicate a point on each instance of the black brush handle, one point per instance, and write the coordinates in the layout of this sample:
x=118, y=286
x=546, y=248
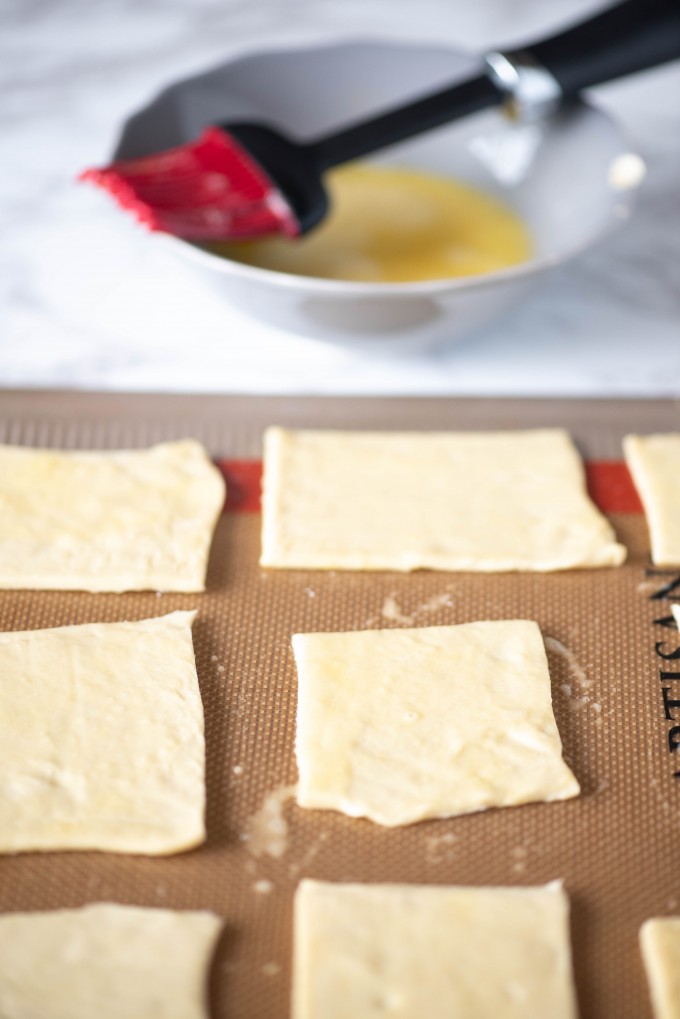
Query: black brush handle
x=397, y=125
x=626, y=38
x=621, y=40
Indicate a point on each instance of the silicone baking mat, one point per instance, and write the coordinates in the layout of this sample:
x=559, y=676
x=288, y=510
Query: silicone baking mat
x=616, y=846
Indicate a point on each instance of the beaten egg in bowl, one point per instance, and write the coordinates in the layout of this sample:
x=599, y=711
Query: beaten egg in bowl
x=394, y=225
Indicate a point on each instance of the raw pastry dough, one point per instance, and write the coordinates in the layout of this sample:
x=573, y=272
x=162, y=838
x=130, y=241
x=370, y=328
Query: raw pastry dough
x=654, y=462
x=106, y=961
x=101, y=738
x=401, y=725
x=124, y=521
x=660, y=944
x=415, y=951
x=445, y=501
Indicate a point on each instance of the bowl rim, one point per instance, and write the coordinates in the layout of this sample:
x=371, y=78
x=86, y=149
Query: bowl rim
x=355, y=288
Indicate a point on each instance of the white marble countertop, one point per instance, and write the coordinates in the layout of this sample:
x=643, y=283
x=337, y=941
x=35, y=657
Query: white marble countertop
x=84, y=302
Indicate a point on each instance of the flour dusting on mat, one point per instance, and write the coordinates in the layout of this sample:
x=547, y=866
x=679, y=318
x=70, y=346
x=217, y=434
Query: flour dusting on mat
x=439, y=848
x=570, y=658
x=390, y=610
x=437, y=601
x=297, y=868
x=266, y=832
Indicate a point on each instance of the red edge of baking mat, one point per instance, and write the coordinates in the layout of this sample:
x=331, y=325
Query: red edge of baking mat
x=609, y=484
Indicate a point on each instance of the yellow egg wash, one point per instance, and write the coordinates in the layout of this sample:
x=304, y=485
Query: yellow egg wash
x=391, y=225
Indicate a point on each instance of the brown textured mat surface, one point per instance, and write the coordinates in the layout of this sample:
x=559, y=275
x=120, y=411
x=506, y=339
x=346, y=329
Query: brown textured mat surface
x=616, y=846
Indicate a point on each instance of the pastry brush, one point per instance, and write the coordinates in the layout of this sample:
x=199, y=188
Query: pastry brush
x=243, y=180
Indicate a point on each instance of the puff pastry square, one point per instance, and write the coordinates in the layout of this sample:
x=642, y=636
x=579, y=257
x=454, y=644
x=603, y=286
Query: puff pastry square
x=402, y=725
x=485, y=501
x=415, y=951
x=101, y=738
x=660, y=944
x=131, y=520
x=108, y=961
x=654, y=462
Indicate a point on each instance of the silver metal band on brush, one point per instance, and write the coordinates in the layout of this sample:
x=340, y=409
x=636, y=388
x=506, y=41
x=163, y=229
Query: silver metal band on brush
x=531, y=92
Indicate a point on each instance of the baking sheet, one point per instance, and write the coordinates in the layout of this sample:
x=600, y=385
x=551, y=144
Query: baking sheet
x=616, y=846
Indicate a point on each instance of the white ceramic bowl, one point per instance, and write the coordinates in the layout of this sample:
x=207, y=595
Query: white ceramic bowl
x=571, y=179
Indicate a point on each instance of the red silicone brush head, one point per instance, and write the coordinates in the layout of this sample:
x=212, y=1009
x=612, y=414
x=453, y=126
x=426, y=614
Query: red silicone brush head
x=208, y=190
